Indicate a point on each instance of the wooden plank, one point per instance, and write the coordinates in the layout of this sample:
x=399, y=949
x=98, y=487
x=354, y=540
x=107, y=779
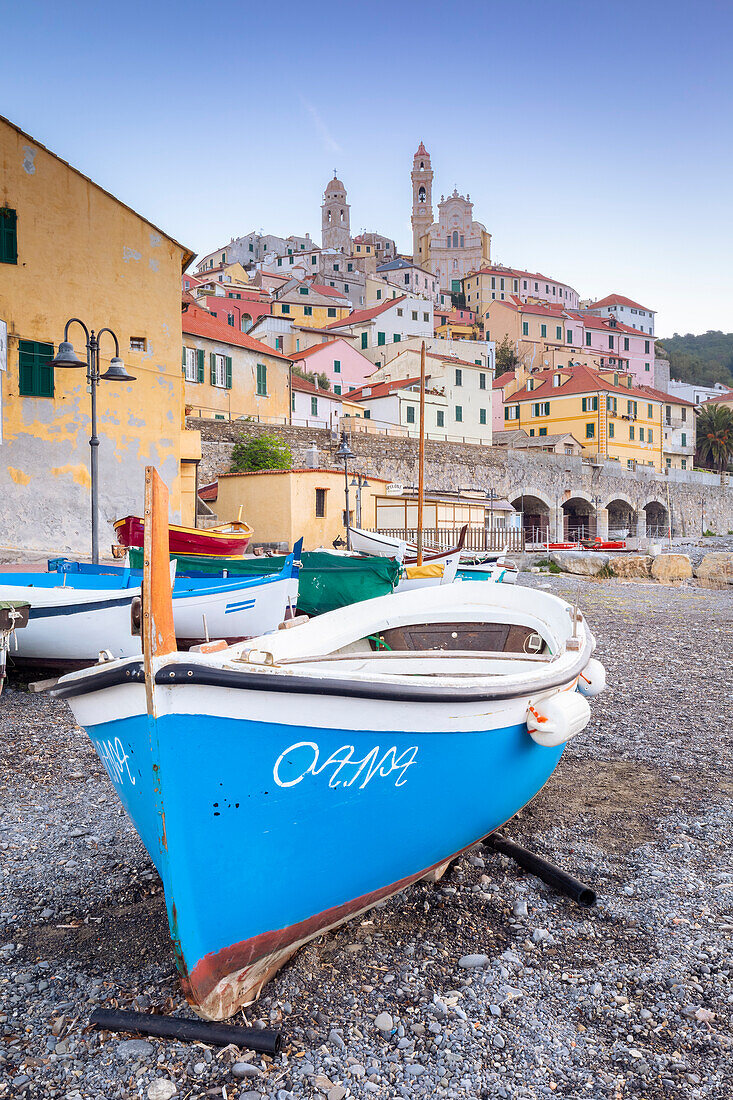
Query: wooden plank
x=158, y=633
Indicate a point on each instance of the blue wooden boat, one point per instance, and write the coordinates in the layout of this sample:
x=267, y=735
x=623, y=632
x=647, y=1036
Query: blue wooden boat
x=284, y=785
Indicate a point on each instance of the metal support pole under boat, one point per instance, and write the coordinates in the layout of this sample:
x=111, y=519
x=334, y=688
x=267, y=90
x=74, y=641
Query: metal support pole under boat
x=421, y=457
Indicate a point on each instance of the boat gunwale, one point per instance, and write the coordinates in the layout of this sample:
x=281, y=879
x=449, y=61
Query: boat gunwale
x=267, y=678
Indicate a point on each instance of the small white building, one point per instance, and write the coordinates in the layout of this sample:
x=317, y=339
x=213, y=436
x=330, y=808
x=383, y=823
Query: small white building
x=411, y=278
x=313, y=407
x=626, y=311
x=388, y=322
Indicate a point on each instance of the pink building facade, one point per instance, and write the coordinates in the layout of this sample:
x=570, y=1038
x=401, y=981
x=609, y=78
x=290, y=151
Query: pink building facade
x=344, y=366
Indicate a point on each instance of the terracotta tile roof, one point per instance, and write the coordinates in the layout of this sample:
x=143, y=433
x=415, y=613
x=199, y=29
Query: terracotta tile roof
x=502, y=379
x=360, y=316
x=304, y=386
x=667, y=398
x=590, y=321
x=316, y=347
x=619, y=299
x=453, y=359
x=209, y=492
x=298, y=470
x=582, y=380
x=329, y=291
x=541, y=309
x=197, y=322
x=382, y=389
x=518, y=273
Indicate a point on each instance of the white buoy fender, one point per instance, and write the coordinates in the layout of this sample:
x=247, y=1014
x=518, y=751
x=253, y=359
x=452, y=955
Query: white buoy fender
x=555, y=720
x=592, y=680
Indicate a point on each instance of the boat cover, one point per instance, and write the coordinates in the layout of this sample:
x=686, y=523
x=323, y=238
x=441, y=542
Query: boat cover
x=327, y=580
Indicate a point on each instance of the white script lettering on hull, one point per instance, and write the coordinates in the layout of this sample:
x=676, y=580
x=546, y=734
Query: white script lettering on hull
x=345, y=771
x=113, y=756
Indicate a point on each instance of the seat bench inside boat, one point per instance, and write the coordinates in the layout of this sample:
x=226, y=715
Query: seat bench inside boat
x=480, y=637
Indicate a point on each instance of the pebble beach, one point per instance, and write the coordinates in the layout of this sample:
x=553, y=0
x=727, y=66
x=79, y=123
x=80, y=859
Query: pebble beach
x=487, y=984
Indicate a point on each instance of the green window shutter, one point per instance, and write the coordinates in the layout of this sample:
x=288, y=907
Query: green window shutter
x=35, y=372
x=212, y=366
x=397, y=337
x=314, y=406
x=587, y=339
x=261, y=380
x=482, y=416
x=337, y=389
x=199, y=365
x=558, y=332
x=337, y=366
x=228, y=371
x=183, y=360
x=381, y=338
x=8, y=236
x=364, y=339
x=525, y=328
x=410, y=411
x=459, y=413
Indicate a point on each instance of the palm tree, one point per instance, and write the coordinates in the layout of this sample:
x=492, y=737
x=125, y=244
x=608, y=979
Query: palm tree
x=715, y=436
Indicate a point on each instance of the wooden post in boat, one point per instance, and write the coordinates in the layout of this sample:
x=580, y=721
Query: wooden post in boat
x=158, y=633
x=421, y=457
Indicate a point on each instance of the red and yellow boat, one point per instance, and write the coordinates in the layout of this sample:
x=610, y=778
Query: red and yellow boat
x=229, y=540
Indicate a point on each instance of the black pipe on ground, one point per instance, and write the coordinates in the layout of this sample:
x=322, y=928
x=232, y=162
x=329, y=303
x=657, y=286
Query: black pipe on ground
x=559, y=880
x=261, y=1040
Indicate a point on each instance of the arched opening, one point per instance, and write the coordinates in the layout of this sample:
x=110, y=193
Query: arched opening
x=422, y=165
x=535, y=518
x=657, y=520
x=421, y=195
x=621, y=519
x=342, y=215
x=455, y=238
x=579, y=520
x=328, y=217
x=246, y=322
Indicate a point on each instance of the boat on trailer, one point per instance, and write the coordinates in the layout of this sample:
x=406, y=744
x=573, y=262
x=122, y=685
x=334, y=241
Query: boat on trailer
x=313, y=756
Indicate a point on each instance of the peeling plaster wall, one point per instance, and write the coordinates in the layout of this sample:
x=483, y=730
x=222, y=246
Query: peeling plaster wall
x=82, y=253
x=554, y=478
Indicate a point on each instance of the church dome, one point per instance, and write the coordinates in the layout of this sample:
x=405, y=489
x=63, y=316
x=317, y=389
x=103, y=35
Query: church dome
x=335, y=185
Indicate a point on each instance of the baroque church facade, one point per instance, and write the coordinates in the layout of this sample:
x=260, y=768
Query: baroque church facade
x=453, y=246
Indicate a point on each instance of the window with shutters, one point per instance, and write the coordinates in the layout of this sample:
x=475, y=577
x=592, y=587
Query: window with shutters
x=8, y=236
x=321, y=503
x=314, y=406
x=364, y=340
x=525, y=328
x=35, y=373
x=590, y=431
x=631, y=432
x=285, y=308
x=558, y=332
x=481, y=380
x=440, y=418
x=459, y=377
x=307, y=311
x=543, y=330
x=626, y=343
x=381, y=339
x=218, y=365
x=587, y=339
x=569, y=336
x=337, y=366
x=426, y=316
x=646, y=347
x=482, y=416
x=337, y=389
x=459, y=413
x=410, y=414
x=611, y=429
x=641, y=435
x=189, y=365
x=261, y=380
x=542, y=431
x=302, y=289
x=331, y=311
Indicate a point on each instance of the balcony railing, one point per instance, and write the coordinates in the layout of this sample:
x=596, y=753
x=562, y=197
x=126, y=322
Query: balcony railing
x=478, y=539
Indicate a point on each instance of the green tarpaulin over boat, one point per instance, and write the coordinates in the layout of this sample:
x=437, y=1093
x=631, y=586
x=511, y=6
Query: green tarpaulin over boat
x=327, y=580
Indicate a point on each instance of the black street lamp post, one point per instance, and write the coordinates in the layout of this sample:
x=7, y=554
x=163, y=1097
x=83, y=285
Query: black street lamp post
x=359, y=482
x=343, y=454
x=67, y=357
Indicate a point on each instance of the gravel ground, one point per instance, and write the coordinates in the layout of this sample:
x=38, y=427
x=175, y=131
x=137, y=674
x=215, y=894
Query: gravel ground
x=631, y=998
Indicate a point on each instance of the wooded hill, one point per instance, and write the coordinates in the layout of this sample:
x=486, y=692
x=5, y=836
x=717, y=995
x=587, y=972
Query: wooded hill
x=704, y=359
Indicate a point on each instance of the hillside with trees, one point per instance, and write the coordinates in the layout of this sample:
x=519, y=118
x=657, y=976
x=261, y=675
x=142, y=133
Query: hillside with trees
x=704, y=359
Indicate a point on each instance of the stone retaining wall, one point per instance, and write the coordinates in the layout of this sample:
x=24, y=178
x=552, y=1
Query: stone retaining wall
x=553, y=479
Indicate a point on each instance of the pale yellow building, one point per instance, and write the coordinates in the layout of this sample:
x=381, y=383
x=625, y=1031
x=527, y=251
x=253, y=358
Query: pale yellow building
x=68, y=249
x=229, y=375
x=285, y=505
x=302, y=305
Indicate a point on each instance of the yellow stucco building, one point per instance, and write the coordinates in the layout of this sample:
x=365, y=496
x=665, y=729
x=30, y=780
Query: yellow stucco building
x=230, y=375
x=283, y=505
x=70, y=249
x=610, y=417
x=301, y=304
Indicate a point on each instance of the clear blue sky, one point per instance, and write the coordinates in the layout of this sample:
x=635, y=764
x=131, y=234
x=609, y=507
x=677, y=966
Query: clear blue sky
x=594, y=139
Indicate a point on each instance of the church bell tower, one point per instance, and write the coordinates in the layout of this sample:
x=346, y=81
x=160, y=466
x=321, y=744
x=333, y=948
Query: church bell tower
x=422, y=198
x=336, y=217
